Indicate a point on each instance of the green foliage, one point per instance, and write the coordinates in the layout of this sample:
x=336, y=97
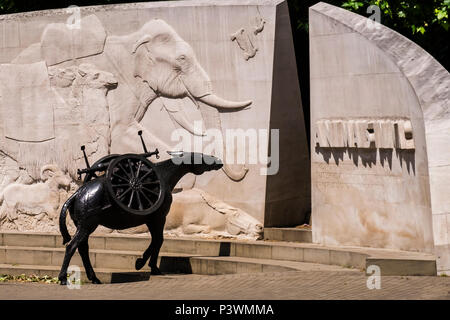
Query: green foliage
x=30, y=278
x=7, y=6
x=416, y=15
x=426, y=22
x=352, y=5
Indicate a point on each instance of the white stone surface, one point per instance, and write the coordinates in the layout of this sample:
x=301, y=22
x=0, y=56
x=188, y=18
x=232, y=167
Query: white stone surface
x=59, y=43
x=158, y=67
x=384, y=197
x=28, y=108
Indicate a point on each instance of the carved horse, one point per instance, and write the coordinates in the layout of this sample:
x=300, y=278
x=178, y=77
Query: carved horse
x=90, y=207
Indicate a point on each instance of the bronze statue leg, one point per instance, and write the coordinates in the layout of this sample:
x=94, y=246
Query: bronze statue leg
x=156, y=228
x=79, y=236
x=140, y=262
x=83, y=249
x=157, y=232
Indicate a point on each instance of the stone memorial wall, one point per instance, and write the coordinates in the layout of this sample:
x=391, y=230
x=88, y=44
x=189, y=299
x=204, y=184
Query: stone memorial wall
x=95, y=76
x=380, y=140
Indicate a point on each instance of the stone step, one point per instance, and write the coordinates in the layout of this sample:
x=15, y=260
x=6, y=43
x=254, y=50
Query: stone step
x=288, y=234
x=170, y=264
x=391, y=262
x=403, y=267
x=116, y=259
x=231, y=265
x=119, y=242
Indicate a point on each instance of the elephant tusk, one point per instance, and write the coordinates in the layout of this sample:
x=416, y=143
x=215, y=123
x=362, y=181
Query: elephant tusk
x=180, y=118
x=215, y=101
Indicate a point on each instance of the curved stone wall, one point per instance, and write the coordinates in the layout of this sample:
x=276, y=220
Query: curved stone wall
x=390, y=189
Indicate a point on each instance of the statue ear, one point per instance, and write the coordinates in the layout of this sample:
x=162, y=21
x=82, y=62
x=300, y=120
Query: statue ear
x=82, y=72
x=84, y=68
x=47, y=172
x=141, y=56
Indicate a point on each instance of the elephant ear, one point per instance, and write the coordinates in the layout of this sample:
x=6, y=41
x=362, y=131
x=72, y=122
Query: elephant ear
x=158, y=37
x=144, y=39
x=141, y=55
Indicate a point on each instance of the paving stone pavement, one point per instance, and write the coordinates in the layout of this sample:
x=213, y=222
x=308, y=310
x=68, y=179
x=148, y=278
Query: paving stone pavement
x=258, y=286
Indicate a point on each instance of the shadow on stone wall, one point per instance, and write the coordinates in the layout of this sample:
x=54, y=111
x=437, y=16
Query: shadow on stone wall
x=368, y=157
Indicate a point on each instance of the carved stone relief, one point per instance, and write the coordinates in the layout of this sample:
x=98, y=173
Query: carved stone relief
x=365, y=133
x=97, y=94
x=166, y=78
x=57, y=40
x=26, y=99
x=195, y=211
x=35, y=206
x=56, y=111
x=245, y=37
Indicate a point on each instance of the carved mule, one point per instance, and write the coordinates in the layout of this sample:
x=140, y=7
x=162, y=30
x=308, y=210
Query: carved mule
x=91, y=206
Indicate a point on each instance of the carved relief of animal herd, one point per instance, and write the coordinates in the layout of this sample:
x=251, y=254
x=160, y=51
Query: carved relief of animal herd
x=99, y=94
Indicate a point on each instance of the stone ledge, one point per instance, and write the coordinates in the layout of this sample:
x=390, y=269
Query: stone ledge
x=143, y=5
x=122, y=250
x=288, y=234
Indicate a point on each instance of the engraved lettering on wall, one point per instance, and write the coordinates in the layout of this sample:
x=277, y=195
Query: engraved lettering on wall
x=365, y=133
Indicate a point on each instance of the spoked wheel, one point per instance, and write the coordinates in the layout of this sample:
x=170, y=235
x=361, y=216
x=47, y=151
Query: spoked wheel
x=134, y=184
x=99, y=163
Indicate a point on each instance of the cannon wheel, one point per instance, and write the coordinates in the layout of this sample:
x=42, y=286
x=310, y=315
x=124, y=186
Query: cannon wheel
x=134, y=184
x=97, y=164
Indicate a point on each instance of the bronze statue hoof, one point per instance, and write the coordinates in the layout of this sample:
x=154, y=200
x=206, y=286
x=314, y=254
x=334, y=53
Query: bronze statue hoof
x=139, y=263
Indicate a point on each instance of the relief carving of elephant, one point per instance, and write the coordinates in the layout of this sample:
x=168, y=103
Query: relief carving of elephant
x=168, y=67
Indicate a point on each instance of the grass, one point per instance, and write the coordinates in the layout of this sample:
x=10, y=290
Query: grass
x=29, y=278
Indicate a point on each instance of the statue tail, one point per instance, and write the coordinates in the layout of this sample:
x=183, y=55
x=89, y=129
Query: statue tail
x=62, y=219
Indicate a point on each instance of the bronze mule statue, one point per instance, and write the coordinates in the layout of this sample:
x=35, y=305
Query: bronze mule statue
x=93, y=203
